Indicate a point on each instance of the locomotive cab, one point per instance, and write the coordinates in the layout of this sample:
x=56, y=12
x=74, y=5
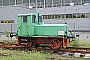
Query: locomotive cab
x=26, y=23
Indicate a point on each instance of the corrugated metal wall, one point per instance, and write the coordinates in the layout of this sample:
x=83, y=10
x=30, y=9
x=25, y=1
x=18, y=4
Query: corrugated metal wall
x=11, y=13
x=82, y=23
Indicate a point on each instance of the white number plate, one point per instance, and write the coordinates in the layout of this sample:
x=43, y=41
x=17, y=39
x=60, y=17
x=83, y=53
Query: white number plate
x=60, y=32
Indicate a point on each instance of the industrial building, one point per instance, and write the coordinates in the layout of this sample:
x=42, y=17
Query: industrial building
x=76, y=13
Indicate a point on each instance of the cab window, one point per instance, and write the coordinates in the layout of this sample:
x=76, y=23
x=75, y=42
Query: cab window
x=40, y=19
x=33, y=18
x=24, y=19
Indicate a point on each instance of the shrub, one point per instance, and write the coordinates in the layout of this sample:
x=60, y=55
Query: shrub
x=75, y=42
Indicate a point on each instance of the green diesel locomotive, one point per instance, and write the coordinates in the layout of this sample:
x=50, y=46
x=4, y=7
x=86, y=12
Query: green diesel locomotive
x=33, y=31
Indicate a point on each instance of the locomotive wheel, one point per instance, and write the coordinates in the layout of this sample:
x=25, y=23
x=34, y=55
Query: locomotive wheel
x=29, y=44
x=55, y=44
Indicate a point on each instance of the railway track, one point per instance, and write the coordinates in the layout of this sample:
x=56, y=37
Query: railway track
x=1, y=43
x=81, y=50
x=73, y=50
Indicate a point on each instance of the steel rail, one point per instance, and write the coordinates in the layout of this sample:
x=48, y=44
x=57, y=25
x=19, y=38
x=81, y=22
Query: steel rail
x=48, y=49
x=71, y=51
x=78, y=48
x=14, y=47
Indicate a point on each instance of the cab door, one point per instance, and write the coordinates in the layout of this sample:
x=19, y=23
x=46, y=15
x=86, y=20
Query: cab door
x=23, y=26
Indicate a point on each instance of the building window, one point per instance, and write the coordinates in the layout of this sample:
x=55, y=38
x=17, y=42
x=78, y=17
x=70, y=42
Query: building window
x=75, y=2
x=65, y=2
x=11, y=21
x=78, y=15
x=2, y=21
x=40, y=3
x=18, y=2
x=49, y=16
x=25, y=1
x=7, y=21
x=52, y=16
x=87, y=15
x=82, y=15
x=1, y=3
x=63, y=16
x=56, y=3
x=5, y=2
x=48, y=3
x=33, y=3
x=12, y=2
x=68, y=15
x=57, y=16
x=74, y=16
x=45, y=16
